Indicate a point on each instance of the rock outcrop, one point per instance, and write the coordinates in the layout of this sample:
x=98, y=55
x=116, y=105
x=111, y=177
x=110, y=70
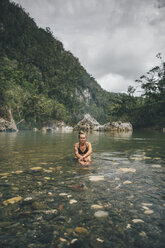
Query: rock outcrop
x=8, y=125
x=87, y=123
x=118, y=126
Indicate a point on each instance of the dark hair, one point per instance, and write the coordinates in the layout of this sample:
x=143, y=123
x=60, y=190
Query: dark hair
x=81, y=132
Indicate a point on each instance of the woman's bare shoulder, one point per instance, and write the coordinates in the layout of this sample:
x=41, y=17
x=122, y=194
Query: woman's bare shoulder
x=76, y=144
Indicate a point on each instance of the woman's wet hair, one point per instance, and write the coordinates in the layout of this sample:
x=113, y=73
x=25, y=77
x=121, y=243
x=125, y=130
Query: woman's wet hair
x=81, y=132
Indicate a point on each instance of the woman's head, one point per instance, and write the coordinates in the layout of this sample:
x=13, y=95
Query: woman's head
x=82, y=137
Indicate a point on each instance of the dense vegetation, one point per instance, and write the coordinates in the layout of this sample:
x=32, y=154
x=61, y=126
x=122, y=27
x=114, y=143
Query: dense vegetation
x=40, y=82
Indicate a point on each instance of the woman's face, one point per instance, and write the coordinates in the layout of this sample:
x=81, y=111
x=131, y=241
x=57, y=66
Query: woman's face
x=82, y=138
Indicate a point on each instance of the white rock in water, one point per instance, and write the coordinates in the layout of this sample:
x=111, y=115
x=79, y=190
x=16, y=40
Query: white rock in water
x=128, y=226
x=51, y=211
x=100, y=240
x=101, y=214
x=72, y=201
x=149, y=211
x=143, y=234
x=36, y=168
x=73, y=241
x=137, y=221
x=156, y=166
x=147, y=204
x=127, y=182
x=125, y=170
x=63, y=194
x=28, y=198
x=95, y=206
x=96, y=178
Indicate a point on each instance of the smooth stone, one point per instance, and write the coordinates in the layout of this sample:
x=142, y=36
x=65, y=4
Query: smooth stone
x=12, y=200
x=18, y=172
x=101, y=214
x=96, y=178
x=147, y=204
x=143, y=234
x=100, y=240
x=36, y=168
x=81, y=230
x=149, y=211
x=28, y=199
x=51, y=211
x=47, y=178
x=156, y=166
x=48, y=171
x=117, y=178
x=72, y=201
x=39, y=205
x=62, y=240
x=127, y=182
x=14, y=188
x=4, y=174
x=63, y=194
x=125, y=170
x=128, y=226
x=73, y=241
x=137, y=221
x=95, y=206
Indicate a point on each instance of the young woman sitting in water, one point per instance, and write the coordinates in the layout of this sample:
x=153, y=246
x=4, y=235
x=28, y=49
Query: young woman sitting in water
x=83, y=150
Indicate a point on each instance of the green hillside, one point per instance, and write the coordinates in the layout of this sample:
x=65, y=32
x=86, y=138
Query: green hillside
x=40, y=81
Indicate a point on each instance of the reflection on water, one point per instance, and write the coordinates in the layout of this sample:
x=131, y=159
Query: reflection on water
x=48, y=200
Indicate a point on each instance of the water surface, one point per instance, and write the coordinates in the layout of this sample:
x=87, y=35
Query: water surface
x=57, y=200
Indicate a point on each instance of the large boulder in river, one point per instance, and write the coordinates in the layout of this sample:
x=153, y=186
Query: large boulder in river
x=87, y=123
x=118, y=126
x=7, y=125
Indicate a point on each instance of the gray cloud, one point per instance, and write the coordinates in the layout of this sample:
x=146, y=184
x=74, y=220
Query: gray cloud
x=116, y=41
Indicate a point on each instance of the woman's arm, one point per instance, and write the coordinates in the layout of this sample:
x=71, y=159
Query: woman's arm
x=89, y=152
x=76, y=151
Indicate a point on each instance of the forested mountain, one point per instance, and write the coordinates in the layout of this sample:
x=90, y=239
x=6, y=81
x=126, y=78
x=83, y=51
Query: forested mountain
x=41, y=82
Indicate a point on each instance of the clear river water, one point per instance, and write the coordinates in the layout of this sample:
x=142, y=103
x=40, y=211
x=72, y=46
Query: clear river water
x=49, y=200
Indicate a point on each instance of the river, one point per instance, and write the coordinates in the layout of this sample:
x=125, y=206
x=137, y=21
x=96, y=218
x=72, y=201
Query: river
x=49, y=200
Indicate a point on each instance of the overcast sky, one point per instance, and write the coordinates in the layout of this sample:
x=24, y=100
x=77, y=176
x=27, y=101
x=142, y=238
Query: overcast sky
x=115, y=40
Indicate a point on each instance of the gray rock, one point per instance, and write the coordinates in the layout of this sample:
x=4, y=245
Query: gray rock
x=87, y=123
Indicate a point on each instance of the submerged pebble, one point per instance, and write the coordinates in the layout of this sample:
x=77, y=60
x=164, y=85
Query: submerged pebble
x=128, y=226
x=143, y=234
x=73, y=241
x=127, y=182
x=125, y=170
x=63, y=194
x=100, y=240
x=137, y=221
x=101, y=214
x=95, y=206
x=149, y=211
x=96, y=178
x=72, y=201
x=81, y=230
x=36, y=168
x=156, y=166
x=147, y=204
x=12, y=200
